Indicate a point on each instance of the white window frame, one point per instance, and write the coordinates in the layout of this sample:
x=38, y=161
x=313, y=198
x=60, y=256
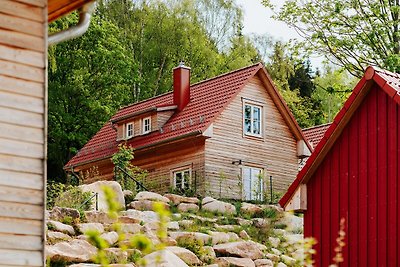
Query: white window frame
x=127, y=130
x=182, y=171
x=258, y=195
x=252, y=106
x=144, y=131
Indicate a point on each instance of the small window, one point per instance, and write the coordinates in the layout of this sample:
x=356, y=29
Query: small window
x=252, y=120
x=129, y=130
x=146, y=125
x=182, y=179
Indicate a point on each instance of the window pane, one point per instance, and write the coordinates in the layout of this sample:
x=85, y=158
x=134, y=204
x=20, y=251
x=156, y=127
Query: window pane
x=247, y=125
x=256, y=113
x=247, y=112
x=178, y=180
x=186, y=183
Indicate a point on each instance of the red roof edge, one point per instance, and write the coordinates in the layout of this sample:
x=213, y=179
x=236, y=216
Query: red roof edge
x=371, y=73
x=321, y=145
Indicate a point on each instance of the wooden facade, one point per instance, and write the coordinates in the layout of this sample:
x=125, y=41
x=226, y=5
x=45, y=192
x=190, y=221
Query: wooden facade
x=353, y=175
x=23, y=108
x=275, y=152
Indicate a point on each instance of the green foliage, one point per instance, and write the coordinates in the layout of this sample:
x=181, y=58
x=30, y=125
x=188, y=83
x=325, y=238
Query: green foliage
x=354, y=33
x=54, y=190
x=73, y=198
x=122, y=159
x=191, y=243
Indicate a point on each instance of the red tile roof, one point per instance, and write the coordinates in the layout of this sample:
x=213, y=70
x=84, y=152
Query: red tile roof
x=207, y=100
x=314, y=134
x=388, y=82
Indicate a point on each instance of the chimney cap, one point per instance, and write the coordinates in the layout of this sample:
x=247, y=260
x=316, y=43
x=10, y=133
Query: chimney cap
x=182, y=65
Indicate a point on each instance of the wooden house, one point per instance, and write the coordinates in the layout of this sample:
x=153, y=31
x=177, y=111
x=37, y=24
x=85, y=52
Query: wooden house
x=23, y=123
x=354, y=174
x=216, y=137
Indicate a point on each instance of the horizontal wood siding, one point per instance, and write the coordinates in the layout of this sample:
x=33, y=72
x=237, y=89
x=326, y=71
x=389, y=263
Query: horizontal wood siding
x=22, y=131
x=358, y=181
x=159, y=162
x=275, y=152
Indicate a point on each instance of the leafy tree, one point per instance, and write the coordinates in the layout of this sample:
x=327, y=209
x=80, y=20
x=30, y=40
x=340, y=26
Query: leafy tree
x=355, y=33
x=89, y=78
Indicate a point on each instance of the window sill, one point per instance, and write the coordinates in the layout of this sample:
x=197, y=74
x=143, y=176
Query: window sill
x=254, y=137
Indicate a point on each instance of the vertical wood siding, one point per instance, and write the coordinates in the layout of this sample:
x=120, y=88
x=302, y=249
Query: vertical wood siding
x=22, y=131
x=358, y=181
x=276, y=151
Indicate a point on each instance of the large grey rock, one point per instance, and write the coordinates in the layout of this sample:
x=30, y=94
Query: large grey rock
x=204, y=238
x=110, y=237
x=234, y=262
x=177, y=199
x=116, y=254
x=163, y=258
x=214, y=205
x=141, y=216
x=188, y=207
x=244, y=235
x=84, y=227
x=98, y=217
x=97, y=187
x=60, y=227
x=293, y=222
x=274, y=241
x=207, y=254
x=243, y=249
x=59, y=213
x=145, y=205
x=251, y=209
x=288, y=260
x=132, y=228
x=184, y=254
x=54, y=237
x=264, y=263
x=74, y=251
x=219, y=237
x=144, y=195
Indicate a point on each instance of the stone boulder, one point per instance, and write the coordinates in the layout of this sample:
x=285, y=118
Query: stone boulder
x=84, y=227
x=54, y=237
x=188, y=207
x=293, y=222
x=251, y=209
x=207, y=254
x=234, y=262
x=141, y=216
x=177, y=199
x=116, y=254
x=145, y=205
x=163, y=258
x=219, y=237
x=131, y=228
x=110, y=237
x=186, y=255
x=74, y=251
x=59, y=213
x=60, y=227
x=244, y=235
x=203, y=238
x=98, y=217
x=264, y=263
x=97, y=187
x=243, y=249
x=213, y=205
x=145, y=195
x=98, y=265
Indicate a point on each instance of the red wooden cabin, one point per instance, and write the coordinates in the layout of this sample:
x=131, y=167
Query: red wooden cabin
x=354, y=174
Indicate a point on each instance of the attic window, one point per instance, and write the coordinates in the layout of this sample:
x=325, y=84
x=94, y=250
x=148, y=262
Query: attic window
x=146, y=125
x=252, y=120
x=129, y=130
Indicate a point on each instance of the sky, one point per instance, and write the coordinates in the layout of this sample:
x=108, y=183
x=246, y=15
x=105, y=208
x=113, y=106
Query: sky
x=257, y=19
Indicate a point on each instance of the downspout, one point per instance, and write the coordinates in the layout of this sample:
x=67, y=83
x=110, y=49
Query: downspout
x=85, y=13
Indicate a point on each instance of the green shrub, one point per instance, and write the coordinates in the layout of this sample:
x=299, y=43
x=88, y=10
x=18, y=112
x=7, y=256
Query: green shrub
x=54, y=190
x=191, y=243
x=74, y=198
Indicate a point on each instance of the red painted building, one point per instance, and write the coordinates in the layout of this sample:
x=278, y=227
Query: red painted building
x=354, y=174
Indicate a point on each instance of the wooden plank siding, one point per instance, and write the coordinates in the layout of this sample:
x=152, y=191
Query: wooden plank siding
x=361, y=186
x=23, y=111
x=275, y=152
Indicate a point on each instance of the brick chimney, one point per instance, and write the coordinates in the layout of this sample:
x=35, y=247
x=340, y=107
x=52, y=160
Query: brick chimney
x=181, y=86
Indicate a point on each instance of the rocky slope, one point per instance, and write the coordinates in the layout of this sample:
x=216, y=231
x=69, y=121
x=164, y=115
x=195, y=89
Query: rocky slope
x=205, y=232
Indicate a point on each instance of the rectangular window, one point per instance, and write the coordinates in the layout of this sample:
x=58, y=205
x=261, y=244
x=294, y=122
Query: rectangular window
x=146, y=125
x=182, y=179
x=253, y=183
x=252, y=120
x=129, y=130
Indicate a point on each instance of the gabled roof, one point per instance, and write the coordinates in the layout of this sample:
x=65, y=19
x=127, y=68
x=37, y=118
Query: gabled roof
x=59, y=8
x=314, y=134
x=207, y=100
x=387, y=81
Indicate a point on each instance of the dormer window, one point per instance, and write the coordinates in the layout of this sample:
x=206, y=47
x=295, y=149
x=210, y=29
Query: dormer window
x=129, y=130
x=146, y=125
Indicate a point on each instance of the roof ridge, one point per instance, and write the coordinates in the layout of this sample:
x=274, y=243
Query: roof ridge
x=317, y=126
x=393, y=74
x=143, y=101
x=227, y=73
